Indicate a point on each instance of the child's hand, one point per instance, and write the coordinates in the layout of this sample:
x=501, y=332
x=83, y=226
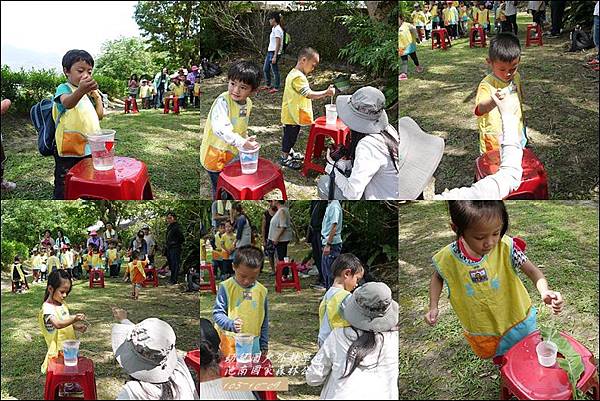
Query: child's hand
x=330, y=91
x=80, y=327
x=250, y=143
x=87, y=84
x=79, y=317
x=553, y=299
x=119, y=314
x=237, y=325
x=508, y=104
x=432, y=316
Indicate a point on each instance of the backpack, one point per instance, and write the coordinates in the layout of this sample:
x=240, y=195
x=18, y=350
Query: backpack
x=580, y=40
x=41, y=118
x=286, y=41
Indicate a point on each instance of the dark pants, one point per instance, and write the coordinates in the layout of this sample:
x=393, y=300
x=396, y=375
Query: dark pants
x=317, y=253
x=61, y=166
x=160, y=92
x=193, y=281
x=326, y=263
x=538, y=17
x=114, y=270
x=511, y=20
x=274, y=67
x=290, y=136
x=77, y=271
x=413, y=56
x=557, y=12
x=281, y=251
x=227, y=267
x=174, y=259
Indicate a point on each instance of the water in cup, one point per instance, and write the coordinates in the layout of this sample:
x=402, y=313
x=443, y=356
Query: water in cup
x=102, y=144
x=546, y=353
x=330, y=114
x=70, y=352
x=243, y=348
x=249, y=160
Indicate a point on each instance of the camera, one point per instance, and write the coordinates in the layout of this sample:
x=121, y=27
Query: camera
x=338, y=152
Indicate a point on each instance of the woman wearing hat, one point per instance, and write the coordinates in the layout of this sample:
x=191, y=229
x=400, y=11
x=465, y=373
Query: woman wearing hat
x=147, y=353
x=192, y=76
x=421, y=153
x=372, y=155
x=361, y=362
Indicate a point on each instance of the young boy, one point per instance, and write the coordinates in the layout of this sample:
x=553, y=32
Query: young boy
x=226, y=128
x=218, y=250
x=178, y=89
x=241, y=305
x=482, y=16
x=78, y=115
x=419, y=20
x=18, y=276
x=137, y=274
x=145, y=94
x=53, y=262
x=36, y=263
x=407, y=46
x=503, y=58
x=228, y=246
x=451, y=19
x=347, y=272
x=296, y=107
x=112, y=259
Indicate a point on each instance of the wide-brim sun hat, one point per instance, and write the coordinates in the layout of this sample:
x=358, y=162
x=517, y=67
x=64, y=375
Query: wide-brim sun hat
x=363, y=111
x=146, y=351
x=93, y=232
x=419, y=156
x=371, y=308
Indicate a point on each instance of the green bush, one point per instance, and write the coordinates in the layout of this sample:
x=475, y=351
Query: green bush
x=9, y=250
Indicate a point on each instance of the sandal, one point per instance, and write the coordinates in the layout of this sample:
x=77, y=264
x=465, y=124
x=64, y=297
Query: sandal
x=290, y=163
x=296, y=155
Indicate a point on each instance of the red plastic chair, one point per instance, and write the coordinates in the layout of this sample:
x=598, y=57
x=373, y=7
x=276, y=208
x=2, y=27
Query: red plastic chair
x=58, y=374
x=524, y=378
x=211, y=285
x=280, y=283
x=131, y=103
x=127, y=181
x=192, y=359
x=255, y=186
x=167, y=101
x=96, y=278
x=534, y=183
x=480, y=33
x=443, y=39
x=316, y=142
x=151, y=277
x=536, y=38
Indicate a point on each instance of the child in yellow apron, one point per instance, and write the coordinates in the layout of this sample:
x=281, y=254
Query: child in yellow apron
x=54, y=319
x=137, y=274
x=18, y=277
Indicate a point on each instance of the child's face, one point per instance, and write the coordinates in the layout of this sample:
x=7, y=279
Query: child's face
x=60, y=294
x=308, y=65
x=228, y=228
x=221, y=229
x=503, y=70
x=79, y=70
x=245, y=275
x=238, y=90
x=351, y=280
x=483, y=235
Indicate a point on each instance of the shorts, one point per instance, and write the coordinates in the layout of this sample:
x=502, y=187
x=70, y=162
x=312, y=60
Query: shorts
x=138, y=286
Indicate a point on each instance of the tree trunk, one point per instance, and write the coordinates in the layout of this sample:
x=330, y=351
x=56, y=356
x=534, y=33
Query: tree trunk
x=379, y=10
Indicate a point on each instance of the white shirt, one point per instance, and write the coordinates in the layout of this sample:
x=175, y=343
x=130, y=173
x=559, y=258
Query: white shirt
x=376, y=383
x=510, y=9
x=221, y=124
x=213, y=390
x=534, y=5
x=373, y=175
x=597, y=9
x=276, y=32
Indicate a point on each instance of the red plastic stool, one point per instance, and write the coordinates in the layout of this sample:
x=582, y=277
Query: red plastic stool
x=524, y=378
x=192, y=359
x=316, y=142
x=443, y=41
x=520, y=244
x=127, y=181
x=534, y=183
x=151, y=277
x=280, y=283
x=131, y=103
x=212, y=285
x=537, y=30
x=58, y=374
x=96, y=278
x=255, y=186
x=480, y=41
x=175, y=104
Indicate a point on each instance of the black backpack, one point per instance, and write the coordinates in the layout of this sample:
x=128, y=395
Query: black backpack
x=580, y=40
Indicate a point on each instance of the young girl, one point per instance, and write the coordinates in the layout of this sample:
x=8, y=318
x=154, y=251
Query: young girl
x=407, y=46
x=480, y=272
x=137, y=274
x=133, y=86
x=18, y=277
x=54, y=320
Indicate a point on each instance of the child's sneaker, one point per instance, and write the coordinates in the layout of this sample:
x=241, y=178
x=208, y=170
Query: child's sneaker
x=402, y=77
x=289, y=162
x=296, y=155
x=419, y=69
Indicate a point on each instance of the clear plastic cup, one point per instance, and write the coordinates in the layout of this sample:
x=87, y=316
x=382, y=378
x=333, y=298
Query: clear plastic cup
x=102, y=144
x=331, y=114
x=243, y=348
x=546, y=353
x=70, y=352
x=249, y=160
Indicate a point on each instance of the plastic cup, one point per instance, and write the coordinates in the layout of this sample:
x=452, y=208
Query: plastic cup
x=546, y=353
x=331, y=114
x=102, y=144
x=243, y=348
x=249, y=160
x=286, y=259
x=70, y=352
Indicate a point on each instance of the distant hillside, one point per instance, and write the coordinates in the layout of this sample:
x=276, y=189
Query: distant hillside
x=27, y=59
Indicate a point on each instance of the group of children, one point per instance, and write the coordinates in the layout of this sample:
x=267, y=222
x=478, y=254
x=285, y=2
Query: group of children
x=219, y=250
x=178, y=88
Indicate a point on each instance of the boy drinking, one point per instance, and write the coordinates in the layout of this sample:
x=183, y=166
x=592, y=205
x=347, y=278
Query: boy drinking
x=296, y=107
x=503, y=58
x=226, y=128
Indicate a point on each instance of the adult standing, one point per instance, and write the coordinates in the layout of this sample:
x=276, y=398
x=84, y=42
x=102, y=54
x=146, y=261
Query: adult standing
x=317, y=214
x=150, y=243
x=61, y=239
x=243, y=230
x=557, y=13
x=161, y=81
x=331, y=239
x=280, y=231
x=264, y=232
x=110, y=234
x=139, y=244
x=47, y=241
x=192, y=76
x=173, y=245
x=510, y=11
x=93, y=239
x=273, y=54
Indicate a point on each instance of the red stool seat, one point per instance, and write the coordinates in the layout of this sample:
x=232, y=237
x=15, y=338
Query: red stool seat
x=280, y=283
x=131, y=103
x=534, y=183
x=58, y=374
x=211, y=285
x=255, y=186
x=316, y=142
x=96, y=278
x=151, y=277
x=536, y=38
x=443, y=39
x=524, y=378
x=192, y=359
x=127, y=181
x=480, y=33
x=167, y=100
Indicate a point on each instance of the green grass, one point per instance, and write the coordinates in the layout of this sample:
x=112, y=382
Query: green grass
x=561, y=110
x=562, y=240
x=168, y=144
x=23, y=347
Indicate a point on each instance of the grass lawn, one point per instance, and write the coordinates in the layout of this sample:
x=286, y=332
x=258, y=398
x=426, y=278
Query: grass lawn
x=560, y=106
x=168, y=144
x=562, y=240
x=23, y=347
